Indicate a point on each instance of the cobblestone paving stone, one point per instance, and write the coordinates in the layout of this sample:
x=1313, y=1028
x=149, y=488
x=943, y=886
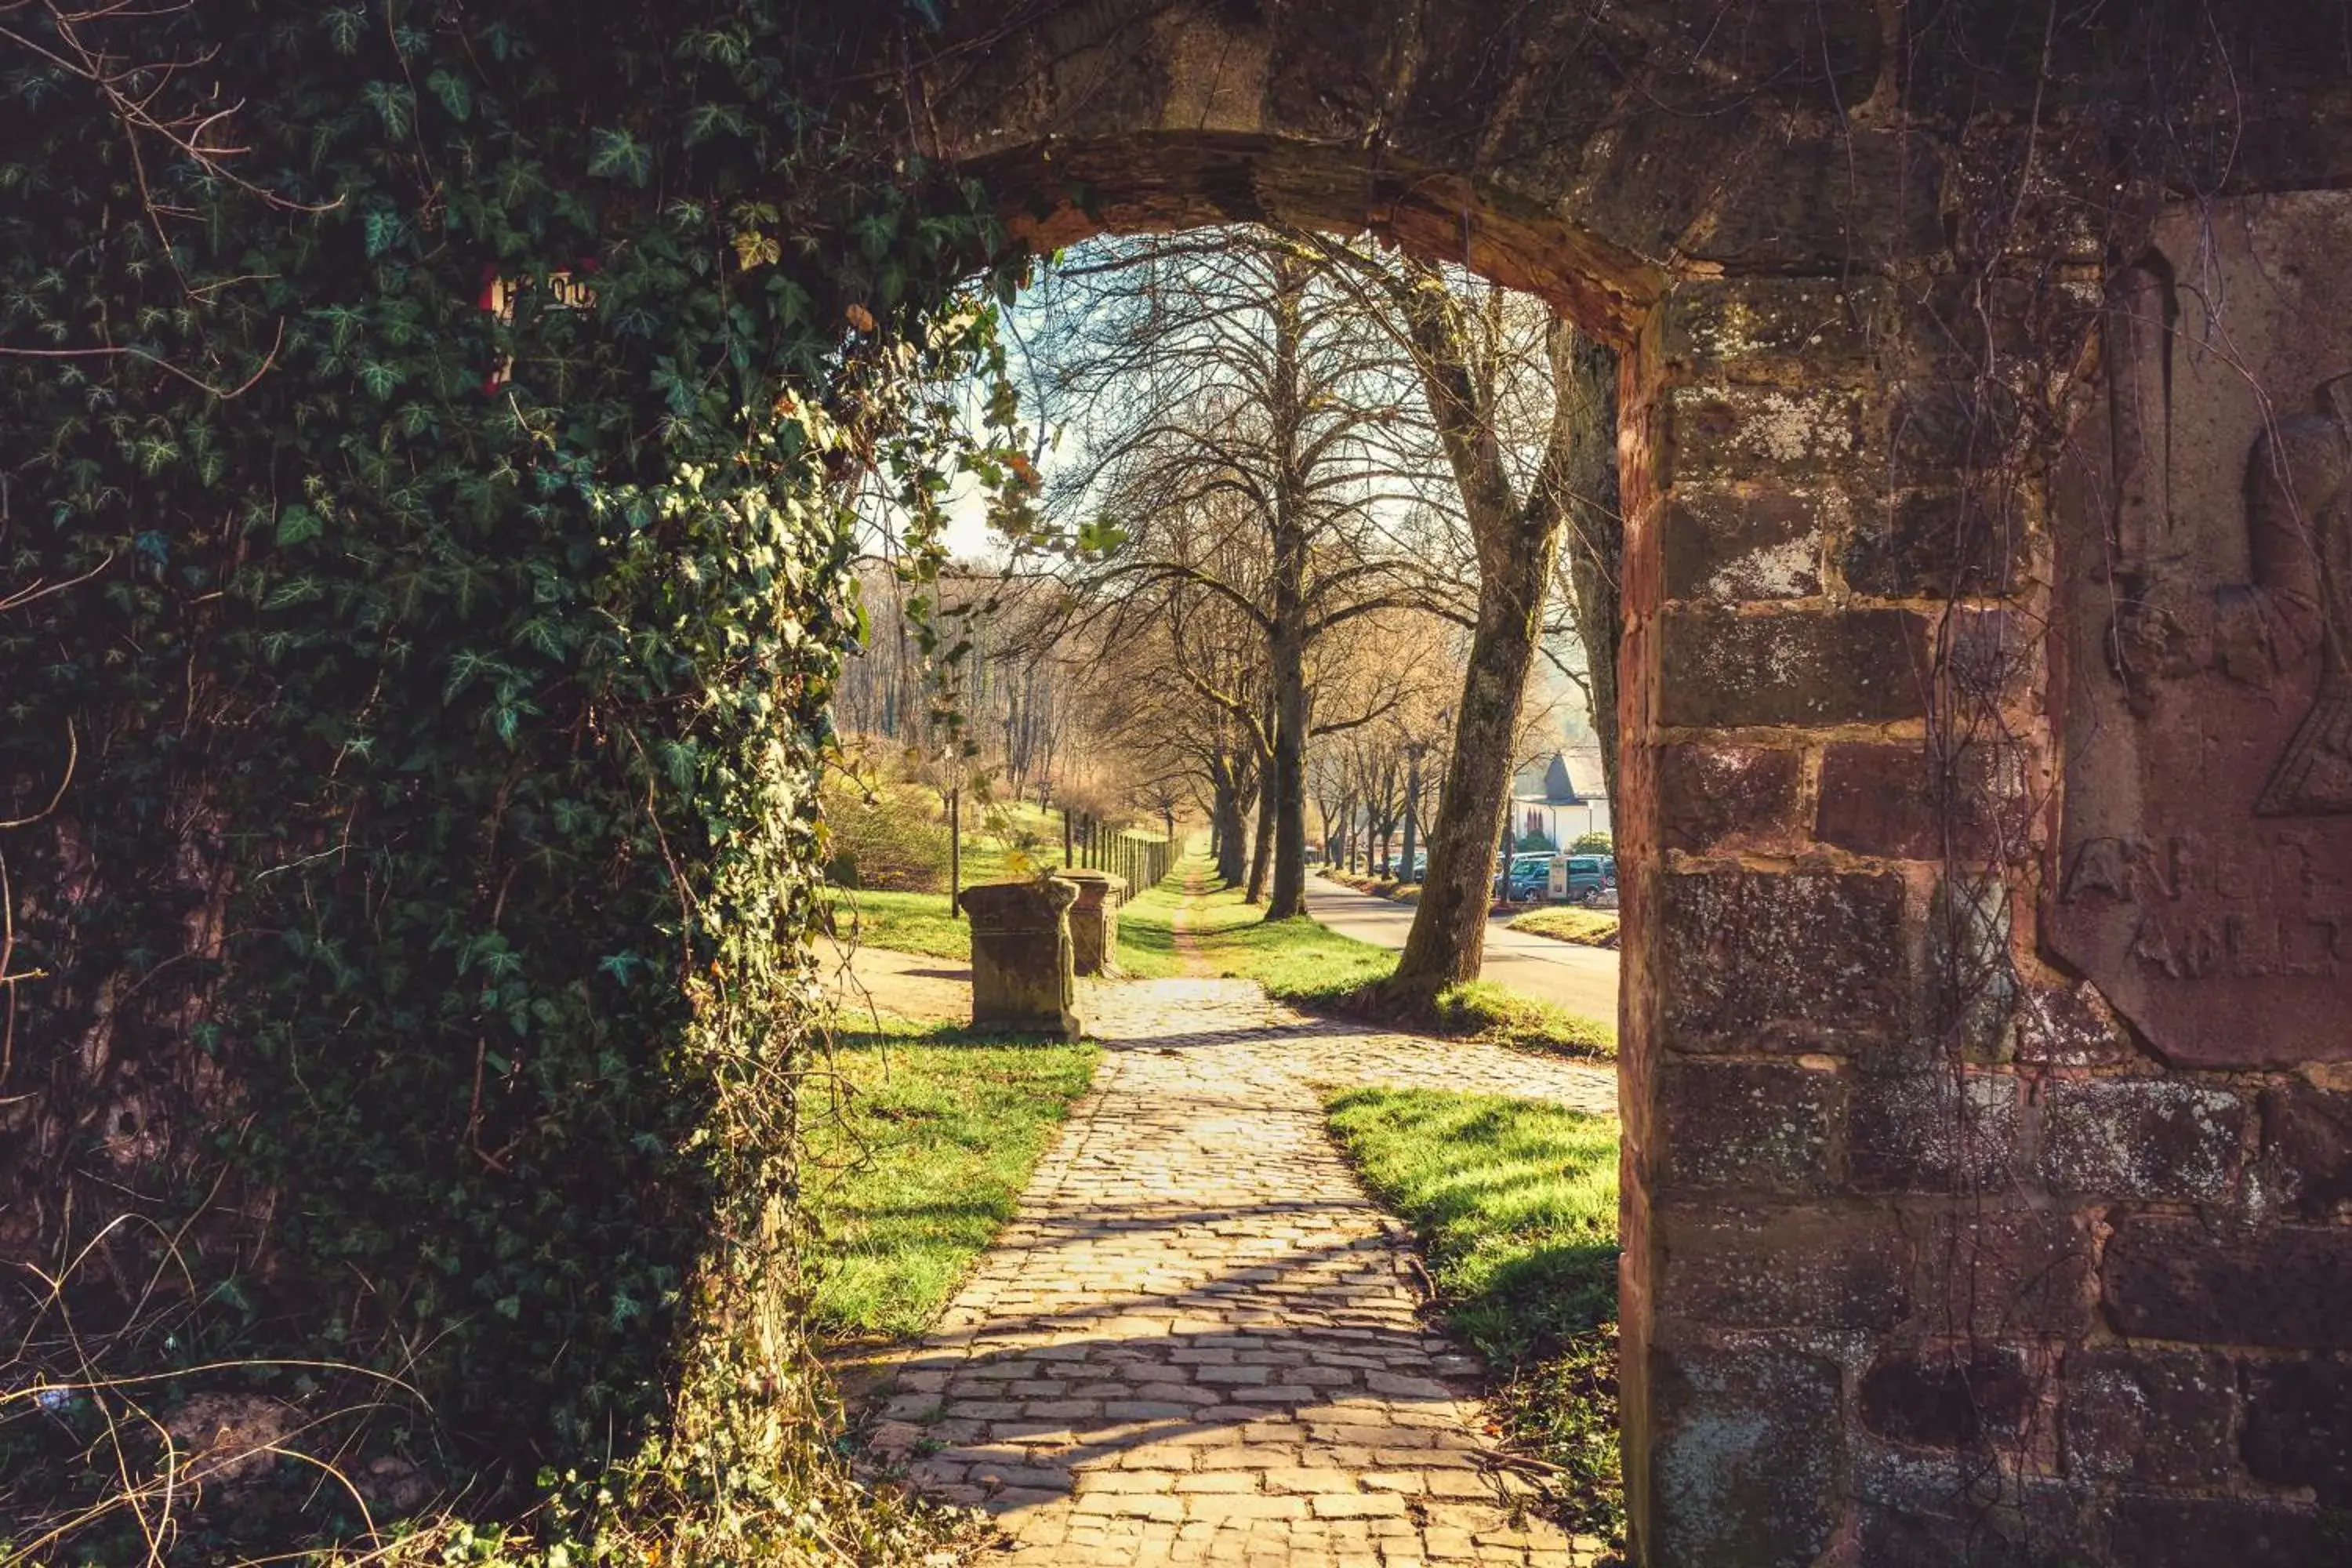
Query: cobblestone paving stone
x=1199, y=1341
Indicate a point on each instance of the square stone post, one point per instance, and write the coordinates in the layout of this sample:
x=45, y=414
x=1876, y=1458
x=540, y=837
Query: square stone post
x=1094, y=919
x=1023, y=977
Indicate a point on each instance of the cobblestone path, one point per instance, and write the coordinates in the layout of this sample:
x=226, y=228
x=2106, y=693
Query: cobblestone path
x=1200, y=1341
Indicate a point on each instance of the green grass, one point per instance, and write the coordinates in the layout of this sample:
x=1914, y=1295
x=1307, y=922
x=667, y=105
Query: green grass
x=1308, y=966
x=903, y=922
x=916, y=1148
x=924, y=922
x=1565, y=922
x=921, y=922
x=1492, y=1011
x=1147, y=938
x=1298, y=961
x=1515, y=1203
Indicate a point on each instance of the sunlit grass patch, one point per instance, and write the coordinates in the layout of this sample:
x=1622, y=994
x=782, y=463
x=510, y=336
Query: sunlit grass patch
x=1147, y=935
x=918, y=1144
x=903, y=922
x=922, y=923
x=1515, y=1203
x=1565, y=922
x=1296, y=960
x=1308, y=966
x=1495, y=1012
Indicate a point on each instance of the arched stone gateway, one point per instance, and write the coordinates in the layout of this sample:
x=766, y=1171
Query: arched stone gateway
x=1987, y=1135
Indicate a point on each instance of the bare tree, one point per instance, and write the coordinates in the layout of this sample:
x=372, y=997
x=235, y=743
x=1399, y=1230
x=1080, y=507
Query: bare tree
x=1244, y=434
x=1458, y=337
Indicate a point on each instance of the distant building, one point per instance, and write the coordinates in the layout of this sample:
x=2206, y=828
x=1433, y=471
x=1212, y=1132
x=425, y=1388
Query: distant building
x=1545, y=800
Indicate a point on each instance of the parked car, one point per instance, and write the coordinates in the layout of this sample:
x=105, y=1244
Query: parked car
x=1581, y=879
x=1530, y=875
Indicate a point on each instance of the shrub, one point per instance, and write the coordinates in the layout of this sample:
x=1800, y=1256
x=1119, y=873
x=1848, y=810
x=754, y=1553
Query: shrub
x=886, y=837
x=1593, y=844
x=1028, y=851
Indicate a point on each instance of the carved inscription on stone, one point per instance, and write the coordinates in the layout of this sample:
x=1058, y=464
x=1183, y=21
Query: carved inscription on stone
x=2204, y=531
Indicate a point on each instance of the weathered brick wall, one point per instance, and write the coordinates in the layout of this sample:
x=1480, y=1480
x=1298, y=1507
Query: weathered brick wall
x=1931, y=1259
x=1845, y=1308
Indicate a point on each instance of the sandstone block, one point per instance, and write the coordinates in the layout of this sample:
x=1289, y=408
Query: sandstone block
x=1770, y=328
x=1784, y=961
x=2140, y=1138
x=2162, y=1417
x=1727, y=798
x=1949, y=1397
x=2014, y=1271
x=1718, y=433
x=2069, y=1027
x=2299, y=1427
x=1931, y=1132
x=1811, y=1268
x=1933, y=543
x=1730, y=544
x=1748, y=1444
x=1903, y=801
x=1816, y=668
x=1759, y=1127
x=1988, y=1527
x=2157, y=1530
x=2307, y=1146
x=1939, y=426
x=2169, y=1278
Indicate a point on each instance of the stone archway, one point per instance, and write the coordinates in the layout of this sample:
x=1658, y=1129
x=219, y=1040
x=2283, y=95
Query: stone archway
x=1875, y=1138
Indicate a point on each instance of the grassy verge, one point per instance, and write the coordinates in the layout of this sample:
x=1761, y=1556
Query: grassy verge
x=903, y=922
x=1515, y=1203
x=1379, y=887
x=918, y=1146
x=1308, y=966
x=1564, y=922
x=1147, y=931
x=921, y=922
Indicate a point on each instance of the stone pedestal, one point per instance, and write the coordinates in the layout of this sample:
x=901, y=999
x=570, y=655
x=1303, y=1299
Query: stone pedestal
x=1022, y=975
x=1094, y=918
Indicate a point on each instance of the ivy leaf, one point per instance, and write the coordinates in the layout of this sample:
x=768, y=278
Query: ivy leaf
x=395, y=104
x=294, y=591
x=344, y=24
x=382, y=230
x=707, y=120
x=297, y=524
x=619, y=155
x=453, y=94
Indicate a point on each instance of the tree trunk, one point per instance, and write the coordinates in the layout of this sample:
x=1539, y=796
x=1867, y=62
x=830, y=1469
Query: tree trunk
x=1286, y=787
x=1411, y=806
x=1516, y=544
x=1230, y=845
x=1286, y=776
x=1594, y=543
x=1262, y=843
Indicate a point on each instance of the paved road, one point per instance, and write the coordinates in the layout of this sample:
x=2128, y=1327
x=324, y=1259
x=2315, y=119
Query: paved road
x=1582, y=979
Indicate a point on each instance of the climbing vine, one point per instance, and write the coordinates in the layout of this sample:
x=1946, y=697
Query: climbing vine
x=421, y=462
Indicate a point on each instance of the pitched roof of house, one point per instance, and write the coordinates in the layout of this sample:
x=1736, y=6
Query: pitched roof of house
x=1558, y=789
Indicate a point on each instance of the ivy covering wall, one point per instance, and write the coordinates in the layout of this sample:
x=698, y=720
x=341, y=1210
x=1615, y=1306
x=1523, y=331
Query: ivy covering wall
x=408, y=714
